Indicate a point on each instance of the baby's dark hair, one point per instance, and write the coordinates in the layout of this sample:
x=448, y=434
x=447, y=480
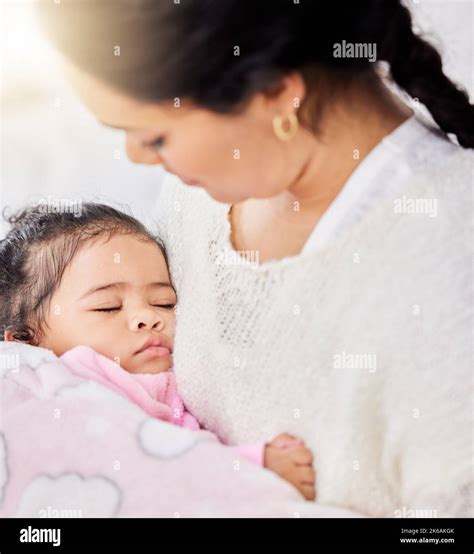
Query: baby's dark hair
x=36, y=251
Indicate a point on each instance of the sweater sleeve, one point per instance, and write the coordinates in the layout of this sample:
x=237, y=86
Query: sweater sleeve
x=428, y=396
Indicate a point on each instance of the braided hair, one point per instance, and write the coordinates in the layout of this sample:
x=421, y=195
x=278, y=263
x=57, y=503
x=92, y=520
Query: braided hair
x=417, y=67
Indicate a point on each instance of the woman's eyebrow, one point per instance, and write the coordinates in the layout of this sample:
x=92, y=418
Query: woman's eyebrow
x=117, y=127
x=120, y=284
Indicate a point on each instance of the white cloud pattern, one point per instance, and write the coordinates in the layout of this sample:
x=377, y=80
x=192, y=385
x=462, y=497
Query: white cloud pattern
x=86, y=497
x=165, y=440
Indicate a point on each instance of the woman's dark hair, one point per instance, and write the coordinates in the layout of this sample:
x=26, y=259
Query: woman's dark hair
x=218, y=53
x=41, y=243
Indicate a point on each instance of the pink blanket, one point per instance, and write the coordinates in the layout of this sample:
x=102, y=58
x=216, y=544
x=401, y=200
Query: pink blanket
x=156, y=394
x=72, y=444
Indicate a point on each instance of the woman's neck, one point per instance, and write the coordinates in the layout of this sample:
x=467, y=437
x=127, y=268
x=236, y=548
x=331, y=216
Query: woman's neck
x=273, y=226
x=351, y=130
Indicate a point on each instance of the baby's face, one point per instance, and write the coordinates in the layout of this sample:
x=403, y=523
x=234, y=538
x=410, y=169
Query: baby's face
x=114, y=297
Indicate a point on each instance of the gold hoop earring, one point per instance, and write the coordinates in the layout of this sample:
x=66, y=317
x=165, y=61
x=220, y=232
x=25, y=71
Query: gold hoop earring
x=280, y=132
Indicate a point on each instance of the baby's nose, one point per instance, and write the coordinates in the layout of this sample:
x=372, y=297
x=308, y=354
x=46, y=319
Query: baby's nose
x=146, y=319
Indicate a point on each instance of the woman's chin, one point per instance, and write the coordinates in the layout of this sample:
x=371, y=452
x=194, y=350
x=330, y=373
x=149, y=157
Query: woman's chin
x=225, y=197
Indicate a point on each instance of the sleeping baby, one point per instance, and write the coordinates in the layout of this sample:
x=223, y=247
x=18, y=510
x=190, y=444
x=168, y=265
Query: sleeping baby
x=95, y=289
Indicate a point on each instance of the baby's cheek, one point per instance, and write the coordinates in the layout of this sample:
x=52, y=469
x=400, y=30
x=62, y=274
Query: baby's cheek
x=111, y=353
x=129, y=363
x=125, y=361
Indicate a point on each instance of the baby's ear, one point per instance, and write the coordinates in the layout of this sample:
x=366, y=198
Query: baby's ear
x=8, y=335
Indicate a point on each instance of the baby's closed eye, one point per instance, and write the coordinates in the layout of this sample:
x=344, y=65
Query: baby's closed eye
x=118, y=308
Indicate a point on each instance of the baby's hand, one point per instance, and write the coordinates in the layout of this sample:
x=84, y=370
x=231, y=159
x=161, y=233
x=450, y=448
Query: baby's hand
x=289, y=458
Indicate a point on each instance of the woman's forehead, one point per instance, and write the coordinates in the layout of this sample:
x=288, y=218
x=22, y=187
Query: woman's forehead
x=114, y=108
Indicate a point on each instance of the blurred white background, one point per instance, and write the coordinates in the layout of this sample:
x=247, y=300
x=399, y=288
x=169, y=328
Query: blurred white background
x=50, y=144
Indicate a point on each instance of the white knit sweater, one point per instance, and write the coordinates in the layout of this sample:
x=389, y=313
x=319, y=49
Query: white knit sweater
x=361, y=346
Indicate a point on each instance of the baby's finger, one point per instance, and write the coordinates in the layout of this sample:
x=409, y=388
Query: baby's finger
x=302, y=456
x=308, y=491
x=285, y=440
x=307, y=475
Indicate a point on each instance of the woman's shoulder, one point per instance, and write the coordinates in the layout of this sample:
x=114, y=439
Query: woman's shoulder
x=421, y=234
x=448, y=179
x=439, y=147
x=427, y=152
x=424, y=221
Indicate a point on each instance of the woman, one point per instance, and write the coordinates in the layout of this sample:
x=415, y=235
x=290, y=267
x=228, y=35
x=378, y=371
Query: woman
x=321, y=249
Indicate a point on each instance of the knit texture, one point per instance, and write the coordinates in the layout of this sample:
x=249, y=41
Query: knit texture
x=361, y=347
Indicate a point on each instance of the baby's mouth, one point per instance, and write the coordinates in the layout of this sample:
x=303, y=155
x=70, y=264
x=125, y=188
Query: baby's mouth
x=156, y=345
x=159, y=351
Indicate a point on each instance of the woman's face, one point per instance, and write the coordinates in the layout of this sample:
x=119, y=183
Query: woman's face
x=114, y=296
x=232, y=157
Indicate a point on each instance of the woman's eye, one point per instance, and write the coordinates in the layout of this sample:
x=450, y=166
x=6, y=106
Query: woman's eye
x=107, y=309
x=157, y=143
x=167, y=306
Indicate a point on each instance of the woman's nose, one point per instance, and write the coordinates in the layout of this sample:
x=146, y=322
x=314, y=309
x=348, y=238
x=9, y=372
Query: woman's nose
x=140, y=154
x=146, y=319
